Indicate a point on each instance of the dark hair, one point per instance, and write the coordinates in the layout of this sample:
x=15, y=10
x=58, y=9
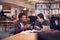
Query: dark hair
x=20, y=15
x=41, y=15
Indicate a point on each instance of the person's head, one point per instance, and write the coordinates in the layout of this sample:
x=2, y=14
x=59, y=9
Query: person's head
x=22, y=17
x=56, y=22
x=40, y=17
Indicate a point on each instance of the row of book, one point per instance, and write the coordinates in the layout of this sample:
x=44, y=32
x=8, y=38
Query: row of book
x=47, y=5
x=55, y=11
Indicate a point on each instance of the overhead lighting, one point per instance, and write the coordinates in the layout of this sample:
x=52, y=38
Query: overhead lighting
x=24, y=8
x=33, y=0
x=1, y=8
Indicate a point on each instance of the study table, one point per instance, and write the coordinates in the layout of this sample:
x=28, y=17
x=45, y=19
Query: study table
x=35, y=36
x=23, y=36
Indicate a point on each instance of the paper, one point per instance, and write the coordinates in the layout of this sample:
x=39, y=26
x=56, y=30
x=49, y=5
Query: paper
x=30, y=31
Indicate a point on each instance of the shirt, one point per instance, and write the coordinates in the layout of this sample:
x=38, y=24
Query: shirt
x=45, y=22
x=22, y=25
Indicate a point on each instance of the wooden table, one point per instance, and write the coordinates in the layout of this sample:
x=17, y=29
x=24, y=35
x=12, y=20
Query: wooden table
x=23, y=36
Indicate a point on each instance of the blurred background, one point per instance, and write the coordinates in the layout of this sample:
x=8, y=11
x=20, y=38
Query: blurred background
x=10, y=9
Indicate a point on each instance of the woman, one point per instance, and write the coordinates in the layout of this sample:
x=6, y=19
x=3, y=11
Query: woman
x=57, y=28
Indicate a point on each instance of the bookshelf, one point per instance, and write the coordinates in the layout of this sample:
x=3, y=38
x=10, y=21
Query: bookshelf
x=48, y=8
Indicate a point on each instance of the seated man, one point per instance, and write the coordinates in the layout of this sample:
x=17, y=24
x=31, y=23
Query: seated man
x=22, y=24
x=41, y=23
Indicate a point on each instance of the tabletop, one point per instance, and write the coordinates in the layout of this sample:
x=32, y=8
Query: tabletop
x=23, y=36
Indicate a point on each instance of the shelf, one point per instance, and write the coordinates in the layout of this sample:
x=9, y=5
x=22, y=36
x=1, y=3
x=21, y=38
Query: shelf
x=47, y=8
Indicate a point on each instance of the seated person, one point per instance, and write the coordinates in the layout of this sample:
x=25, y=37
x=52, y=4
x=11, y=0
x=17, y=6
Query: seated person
x=52, y=25
x=22, y=24
x=57, y=28
x=41, y=23
x=32, y=20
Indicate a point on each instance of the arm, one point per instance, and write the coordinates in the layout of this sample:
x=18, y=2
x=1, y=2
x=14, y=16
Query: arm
x=27, y=26
x=37, y=27
x=17, y=28
x=46, y=28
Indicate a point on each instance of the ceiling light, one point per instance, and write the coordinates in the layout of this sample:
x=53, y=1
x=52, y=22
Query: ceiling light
x=33, y=0
x=24, y=8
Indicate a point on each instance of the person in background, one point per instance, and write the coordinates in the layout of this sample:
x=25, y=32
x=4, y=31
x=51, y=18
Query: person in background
x=52, y=25
x=41, y=23
x=22, y=24
x=13, y=17
x=57, y=28
x=32, y=20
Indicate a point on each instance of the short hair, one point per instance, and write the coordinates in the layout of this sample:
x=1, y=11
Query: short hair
x=41, y=15
x=20, y=15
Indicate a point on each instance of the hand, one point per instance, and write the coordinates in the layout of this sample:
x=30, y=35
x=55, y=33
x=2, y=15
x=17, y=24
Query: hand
x=38, y=27
x=27, y=26
x=31, y=27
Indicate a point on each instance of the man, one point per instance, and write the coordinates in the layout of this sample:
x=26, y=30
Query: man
x=22, y=24
x=41, y=23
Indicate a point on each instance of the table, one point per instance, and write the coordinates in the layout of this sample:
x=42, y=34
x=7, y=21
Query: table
x=23, y=36
x=35, y=36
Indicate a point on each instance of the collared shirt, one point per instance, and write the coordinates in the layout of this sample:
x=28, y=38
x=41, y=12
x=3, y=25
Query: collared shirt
x=22, y=25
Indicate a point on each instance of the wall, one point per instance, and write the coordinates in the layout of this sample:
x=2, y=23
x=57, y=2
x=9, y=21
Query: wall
x=19, y=3
x=13, y=9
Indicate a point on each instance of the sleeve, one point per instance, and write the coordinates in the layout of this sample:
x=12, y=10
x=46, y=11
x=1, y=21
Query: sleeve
x=36, y=23
x=46, y=23
x=17, y=28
